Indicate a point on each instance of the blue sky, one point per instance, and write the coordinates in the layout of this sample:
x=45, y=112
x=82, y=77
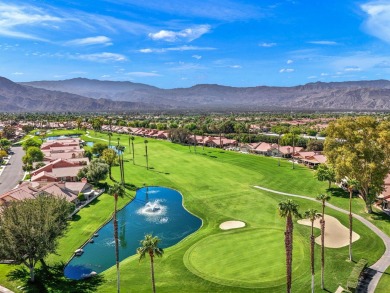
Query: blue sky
x=180, y=43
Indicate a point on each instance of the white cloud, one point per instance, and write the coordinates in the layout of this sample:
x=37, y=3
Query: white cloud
x=106, y=76
x=324, y=74
x=17, y=73
x=289, y=61
x=377, y=23
x=14, y=18
x=146, y=50
x=143, y=74
x=326, y=43
x=188, y=34
x=99, y=40
x=286, y=70
x=312, y=77
x=267, y=45
x=352, y=68
x=181, y=48
x=198, y=57
x=235, y=66
x=100, y=57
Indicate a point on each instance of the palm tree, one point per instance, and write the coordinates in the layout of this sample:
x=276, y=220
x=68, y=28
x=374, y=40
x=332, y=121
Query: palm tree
x=121, y=151
x=150, y=246
x=109, y=139
x=289, y=209
x=351, y=185
x=323, y=198
x=312, y=215
x=146, y=154
x=117, y=190
x=132, y=147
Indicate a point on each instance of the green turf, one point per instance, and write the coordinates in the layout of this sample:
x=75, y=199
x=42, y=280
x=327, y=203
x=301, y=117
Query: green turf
x=228, y=257
x=218, y=186
x=384, y=283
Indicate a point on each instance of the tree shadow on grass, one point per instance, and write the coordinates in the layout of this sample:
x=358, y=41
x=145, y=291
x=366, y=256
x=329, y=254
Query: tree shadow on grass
x=380, y=216
x=52, y=279
x=338, y=192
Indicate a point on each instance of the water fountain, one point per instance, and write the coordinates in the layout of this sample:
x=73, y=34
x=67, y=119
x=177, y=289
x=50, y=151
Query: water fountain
x=154, y=209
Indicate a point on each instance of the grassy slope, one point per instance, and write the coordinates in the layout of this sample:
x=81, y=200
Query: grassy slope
x=216, y=186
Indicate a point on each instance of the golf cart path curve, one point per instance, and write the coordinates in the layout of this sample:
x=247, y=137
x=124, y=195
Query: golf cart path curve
x=382, y=264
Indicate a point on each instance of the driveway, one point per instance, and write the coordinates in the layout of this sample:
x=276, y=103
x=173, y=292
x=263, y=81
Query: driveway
x=13, y=171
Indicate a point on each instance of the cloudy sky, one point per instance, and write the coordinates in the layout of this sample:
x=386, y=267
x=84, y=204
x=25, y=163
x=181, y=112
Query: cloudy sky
x=180, y=43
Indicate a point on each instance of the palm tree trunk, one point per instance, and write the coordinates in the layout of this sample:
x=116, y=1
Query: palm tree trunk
x=322, y=251
x=312, y=256
x=288, y=245
x=350, y=225
x=132, y=148
x=109, y=172
x=116, y=244
x=152, y=272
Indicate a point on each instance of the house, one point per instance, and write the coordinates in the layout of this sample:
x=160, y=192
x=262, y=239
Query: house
x=384, y=197
x=275, y=150
x=62, y=149
x=31, y=190
x=310, y=159
x=56, y=171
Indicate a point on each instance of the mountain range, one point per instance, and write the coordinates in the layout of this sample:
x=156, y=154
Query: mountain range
x=87, y=95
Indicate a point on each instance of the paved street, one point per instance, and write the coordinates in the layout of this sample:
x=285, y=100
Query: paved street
x=13, y=172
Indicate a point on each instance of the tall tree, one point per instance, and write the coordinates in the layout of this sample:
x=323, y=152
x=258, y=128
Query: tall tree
x=359, y=148
x=146, y=154
x=325, y=172
x=149, y=245
x=132, y=147
x=289, y=209
x=295, y=131
x=109, y=156
x=33, y=154
x=352, y=184
x=117, y=190
x=312, y=215
x=94, y=172
x=109, y=139
x=30, y=229
x=323, y=198
x=98, y=148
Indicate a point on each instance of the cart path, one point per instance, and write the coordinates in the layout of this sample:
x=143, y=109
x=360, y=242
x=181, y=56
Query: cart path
x=378, y=268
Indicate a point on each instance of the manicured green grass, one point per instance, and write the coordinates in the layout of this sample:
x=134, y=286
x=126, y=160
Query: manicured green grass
x=384, y=283
x=218, y=186
x=228, y=258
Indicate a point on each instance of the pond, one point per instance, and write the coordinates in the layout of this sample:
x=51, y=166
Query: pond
x=61, y=137
x=155, y=210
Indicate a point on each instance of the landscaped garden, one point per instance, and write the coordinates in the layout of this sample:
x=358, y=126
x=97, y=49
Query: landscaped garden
x=216, y=186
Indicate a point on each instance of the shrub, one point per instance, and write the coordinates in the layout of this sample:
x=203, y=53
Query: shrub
x=81, y=196
x=353, y=279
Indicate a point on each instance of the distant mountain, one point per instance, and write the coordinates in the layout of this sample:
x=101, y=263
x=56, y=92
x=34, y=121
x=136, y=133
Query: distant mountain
x=22, y=98
x=350, y=95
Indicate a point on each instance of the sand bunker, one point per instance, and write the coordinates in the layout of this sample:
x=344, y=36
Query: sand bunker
x=231, y=225
x=336, y=234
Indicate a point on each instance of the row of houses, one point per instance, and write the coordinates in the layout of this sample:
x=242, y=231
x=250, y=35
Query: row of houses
x=308, y=158
x=31, y=190
x=64, y=158
x=210, y=141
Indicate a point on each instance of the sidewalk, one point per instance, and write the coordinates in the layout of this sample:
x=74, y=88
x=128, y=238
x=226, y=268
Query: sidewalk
x=5, y=290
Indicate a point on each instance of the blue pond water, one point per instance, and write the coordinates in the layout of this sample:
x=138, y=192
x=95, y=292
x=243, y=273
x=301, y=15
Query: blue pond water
x=62, y=136
x=154, y=210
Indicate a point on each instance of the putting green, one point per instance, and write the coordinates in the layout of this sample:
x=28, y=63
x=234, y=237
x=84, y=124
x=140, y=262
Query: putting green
x=254, y=258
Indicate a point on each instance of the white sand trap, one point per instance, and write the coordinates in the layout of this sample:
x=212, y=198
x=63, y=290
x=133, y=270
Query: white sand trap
x=336, y=234
x=231, y=225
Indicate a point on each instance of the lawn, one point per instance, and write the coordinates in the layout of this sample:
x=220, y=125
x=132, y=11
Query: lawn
x=218, y=186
